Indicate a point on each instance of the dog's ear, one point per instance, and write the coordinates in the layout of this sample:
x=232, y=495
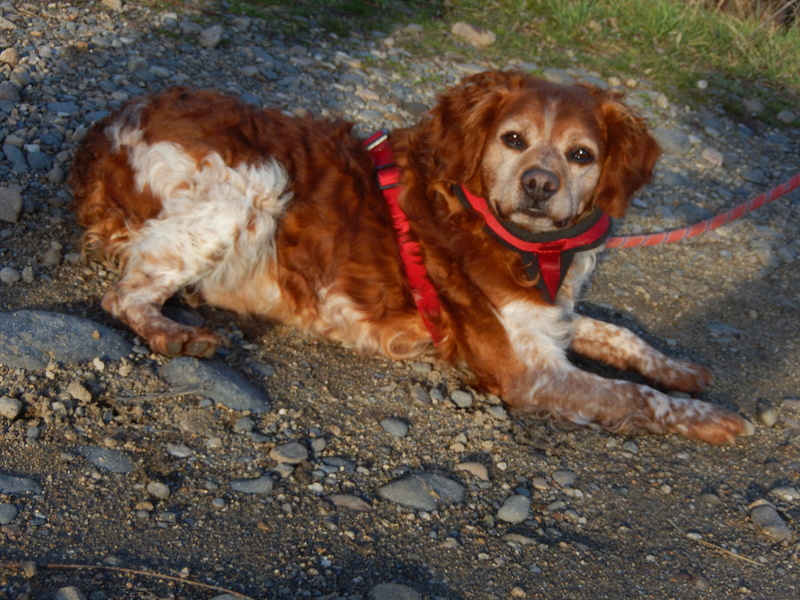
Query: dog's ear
x=462, y=120
x=631, y=154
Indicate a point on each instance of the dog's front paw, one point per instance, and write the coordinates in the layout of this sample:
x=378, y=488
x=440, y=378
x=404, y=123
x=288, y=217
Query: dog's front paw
x=707, y=422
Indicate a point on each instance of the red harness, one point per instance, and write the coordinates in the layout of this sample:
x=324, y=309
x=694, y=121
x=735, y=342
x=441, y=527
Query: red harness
x=388, y=175
x=549, y=254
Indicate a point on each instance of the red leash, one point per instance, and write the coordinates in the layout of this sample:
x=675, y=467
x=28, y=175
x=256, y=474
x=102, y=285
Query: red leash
x=653, y=239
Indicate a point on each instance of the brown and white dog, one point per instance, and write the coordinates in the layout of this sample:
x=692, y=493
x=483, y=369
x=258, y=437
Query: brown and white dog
x=246, y=209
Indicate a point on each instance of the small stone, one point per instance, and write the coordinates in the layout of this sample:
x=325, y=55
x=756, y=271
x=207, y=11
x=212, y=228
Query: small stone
x=244, y=425
x=461, y=398
x=630, y=446
x=158, y=490
x=69, y=593
x=765, y=516
x=8, y=512
x=710, y=498
x=712, y=157
x=672, y=141
x=259, y=485
x=477, y=470
x=78, y=392
x=766, y=413
x=558, y=76
x=786, y=116
x=10, y=56
x=393, y=591
x=10, y=408
x=30, y=339
x=515, y=509
x=18, y=485
x=211, y=37
x=420, y=397
x=9, y=92
x=423, y=491
x=219, y=382
x=292, y=453
x=179, y=450
x=700, y=583
x=395, y=427
x=753, y=106
x=109, y=459
x=785, y=492
x=10, y=204
x=702, y=84
x=755, y=176
x=565, y=478
x=474, y=35
x=10, y=276
x=350, y=501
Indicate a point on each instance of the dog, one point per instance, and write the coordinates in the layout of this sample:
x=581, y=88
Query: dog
x=473, y=230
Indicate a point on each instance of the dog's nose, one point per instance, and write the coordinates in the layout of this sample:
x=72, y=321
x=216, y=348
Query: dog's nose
x=539, y=184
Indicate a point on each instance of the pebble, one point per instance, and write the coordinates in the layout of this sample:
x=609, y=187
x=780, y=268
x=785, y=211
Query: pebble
x=785, y=492
x=10, y=276
x=461, y=398
x=395, y=427
x=218, y=381
x=565, y=478
x=558, y=76
x=393, y=591
x=630, y=446
x=766, y=413
x=8, y=512
x=12, y=485
x=766, y=517
x=515, y=509
x=158, y=490
x=244, y=425
x=292, y=453
x=69, y=593
x=30, y=339
x=10, y=203
x=423, y=491
x=350, y=501
x=477, y=470
x=258, y=485
x=672, y=141
x=712, y=157
x=109, y=459
x=473, y=34
x=211, y=37
x=79, y=392
x=755, y=176
x=10, y=408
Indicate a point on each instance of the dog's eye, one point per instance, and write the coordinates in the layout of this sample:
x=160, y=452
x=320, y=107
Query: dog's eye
x=581, y=156
x=514, y=140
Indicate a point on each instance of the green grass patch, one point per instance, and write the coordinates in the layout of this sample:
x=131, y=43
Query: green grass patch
x=673, y=43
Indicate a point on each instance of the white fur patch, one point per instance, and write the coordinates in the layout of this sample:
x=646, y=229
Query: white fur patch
x=218, y=222
x=539, y=334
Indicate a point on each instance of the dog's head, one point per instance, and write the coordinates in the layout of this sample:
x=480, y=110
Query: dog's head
x=542, y=154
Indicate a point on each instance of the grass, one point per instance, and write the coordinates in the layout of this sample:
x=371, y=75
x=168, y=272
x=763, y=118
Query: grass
x=673, y=43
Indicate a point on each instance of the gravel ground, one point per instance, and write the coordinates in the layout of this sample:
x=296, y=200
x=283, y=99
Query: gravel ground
x=367, y=478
